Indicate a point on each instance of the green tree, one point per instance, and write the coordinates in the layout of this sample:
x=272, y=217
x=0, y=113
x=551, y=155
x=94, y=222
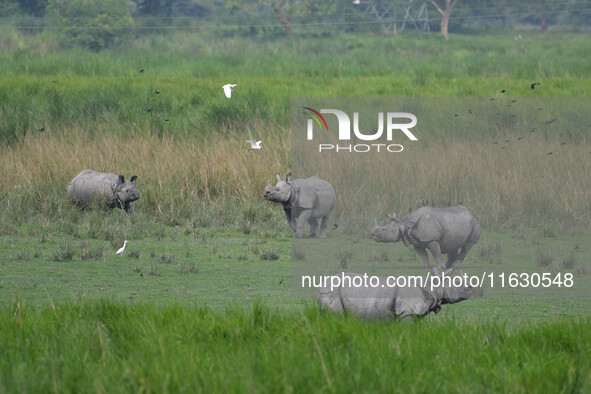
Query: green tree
x=285, y=9
x=93, y=24
x=33, y=7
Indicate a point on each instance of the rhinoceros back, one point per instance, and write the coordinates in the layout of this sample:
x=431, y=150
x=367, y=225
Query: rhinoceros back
x=91, y=185
x=318, y=195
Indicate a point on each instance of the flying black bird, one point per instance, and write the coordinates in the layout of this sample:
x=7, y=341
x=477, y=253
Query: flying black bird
x=456, y=115
x=533, y=85
x=507, y=140
x=461, y=202
x=167, y=120
x=492, y=99
x=157, y=92
x=513, y=101
x=141, y=71
x=335, y=226
x=469, y=111
x=549, y=153
x=148, y=109
x=563, y=143
x=519, y=138
x=503, y=91
x=533, y=129
x=281, y=282
x=494, y=143
x=449, y=203
x=53, y=81
x=42, y=129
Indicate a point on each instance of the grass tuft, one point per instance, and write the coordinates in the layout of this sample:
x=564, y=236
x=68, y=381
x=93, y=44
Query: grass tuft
x=270, y=254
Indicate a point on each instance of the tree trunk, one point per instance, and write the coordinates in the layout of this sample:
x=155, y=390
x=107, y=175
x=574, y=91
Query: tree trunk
x=501, y=11
x=445, y=14
x=445, y=25
x=277, y=9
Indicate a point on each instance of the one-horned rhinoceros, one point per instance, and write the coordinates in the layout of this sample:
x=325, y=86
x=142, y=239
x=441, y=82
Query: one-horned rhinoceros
x=417, y=297
x=441, y=230
x=303, y=200
x=105, y=188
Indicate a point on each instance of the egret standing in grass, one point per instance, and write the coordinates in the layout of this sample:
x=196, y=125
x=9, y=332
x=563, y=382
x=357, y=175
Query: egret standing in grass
x=120, y=251
x=228, y=89
x=254, y=144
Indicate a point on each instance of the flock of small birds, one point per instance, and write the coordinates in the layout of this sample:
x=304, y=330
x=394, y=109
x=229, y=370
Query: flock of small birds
x=513, y=101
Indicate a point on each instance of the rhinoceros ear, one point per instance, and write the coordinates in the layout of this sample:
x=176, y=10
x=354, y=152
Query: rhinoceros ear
x=288, y=177
x=133, y=178
x=278, y=178
x=392, y=217
x=121, y=179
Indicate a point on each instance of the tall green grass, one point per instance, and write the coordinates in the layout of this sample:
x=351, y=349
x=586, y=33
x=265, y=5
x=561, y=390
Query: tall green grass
x=106, y=346
x=190, y=150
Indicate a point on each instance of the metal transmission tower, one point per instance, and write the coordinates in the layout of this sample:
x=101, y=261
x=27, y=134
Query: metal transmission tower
x=396, y=14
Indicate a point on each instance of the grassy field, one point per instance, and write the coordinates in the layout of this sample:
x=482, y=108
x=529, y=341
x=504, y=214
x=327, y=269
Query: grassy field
x=103, y=346
x=201, y=300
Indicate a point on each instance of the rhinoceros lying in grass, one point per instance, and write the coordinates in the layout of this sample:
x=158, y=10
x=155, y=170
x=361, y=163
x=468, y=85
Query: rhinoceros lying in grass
x=385, y=301
x=441, y=230
x=105, y=188
x=303, y=200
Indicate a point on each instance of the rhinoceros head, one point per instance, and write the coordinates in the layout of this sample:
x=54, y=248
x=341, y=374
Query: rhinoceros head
x=126, y=190
x=281, y=192
x=391, y=232
x=453, y=294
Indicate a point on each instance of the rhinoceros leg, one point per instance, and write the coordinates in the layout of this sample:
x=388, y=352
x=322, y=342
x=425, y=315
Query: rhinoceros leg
x=451, y=258
x=290, y=220
x=301, y=222
x=127, y=207
x=313, y=226
x=323, y=227
x=423, y=253
x=462, y=254
x=436, y=252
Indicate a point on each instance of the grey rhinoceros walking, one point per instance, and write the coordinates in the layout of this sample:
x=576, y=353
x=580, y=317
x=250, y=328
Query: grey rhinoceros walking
x=441, y=230
x=384, y=300
x=106, y=188
x=303, y=200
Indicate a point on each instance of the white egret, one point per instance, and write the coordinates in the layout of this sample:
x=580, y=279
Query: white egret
x=254, y=144
x=228, y=89
x=120, y=251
